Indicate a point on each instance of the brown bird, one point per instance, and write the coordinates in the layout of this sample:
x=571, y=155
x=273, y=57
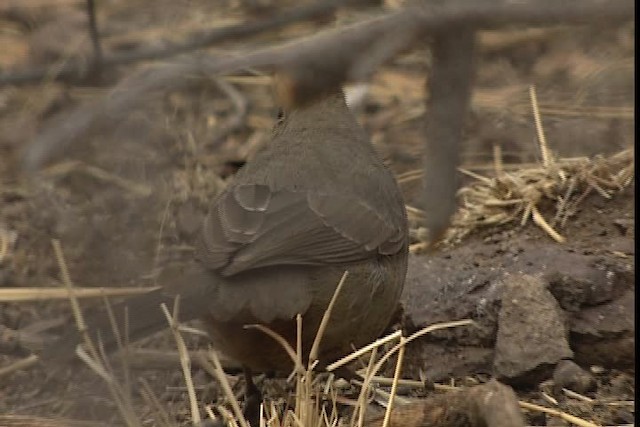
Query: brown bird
x=313, y=202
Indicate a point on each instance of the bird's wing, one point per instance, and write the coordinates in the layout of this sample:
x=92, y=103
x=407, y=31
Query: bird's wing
x=251, y=226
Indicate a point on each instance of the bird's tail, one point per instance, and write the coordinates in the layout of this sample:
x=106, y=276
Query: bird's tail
x=193, y=285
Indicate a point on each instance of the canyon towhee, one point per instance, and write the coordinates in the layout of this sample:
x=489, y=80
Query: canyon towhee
x=313, y=202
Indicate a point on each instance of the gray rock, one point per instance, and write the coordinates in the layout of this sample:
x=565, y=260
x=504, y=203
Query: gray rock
x=532, y=335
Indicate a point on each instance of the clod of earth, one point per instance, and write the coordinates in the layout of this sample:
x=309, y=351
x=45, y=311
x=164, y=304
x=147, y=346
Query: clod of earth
x=531, y=330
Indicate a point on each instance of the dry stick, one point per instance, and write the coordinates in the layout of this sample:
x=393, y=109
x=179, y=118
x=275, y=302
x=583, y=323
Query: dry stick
x=562, y=205
x=121, y=348
x=526, y=213
x=362, y=397
x=549, y=398
x=15, y=420
x=497, y=160
x=299, y=338
x=547, y=162
x=156, y=256
x=228, y=416
x=96, y=366
x=217, y=372
x=603, y=112
x=185, y=361
x=394, y=386
x=66, y=280
x=329, y=389
x=377, y=343
x=313, y=354
x=210, y=413
x=413, y=383
x=7, y=239
x=92, y=358
x=95, y=36
x=262, y=415
x=195, y=41
x=299, y=397
x=328, y=53
x=450, y=15
x=387, y=395
x=75, y=305
x=449, y=89
x=123, y=398
x=478, y=177
x=159, y=413
x=567, y=417
x=21, y=364
x=36, y=294
x=542, y=223
x=542, y=140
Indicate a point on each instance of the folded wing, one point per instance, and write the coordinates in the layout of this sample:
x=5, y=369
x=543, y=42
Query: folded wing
x=251, y=226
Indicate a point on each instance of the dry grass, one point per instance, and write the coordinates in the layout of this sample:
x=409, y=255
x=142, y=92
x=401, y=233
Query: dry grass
x=520, y=195
x=548, y=193
x=315, y=401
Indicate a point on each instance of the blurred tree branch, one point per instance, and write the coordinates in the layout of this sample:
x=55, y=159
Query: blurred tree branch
x=427, y=17
x=197, y=40
x=310, y=66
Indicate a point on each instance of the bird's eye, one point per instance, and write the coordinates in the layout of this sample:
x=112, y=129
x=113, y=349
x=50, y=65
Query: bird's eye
x=280, y=114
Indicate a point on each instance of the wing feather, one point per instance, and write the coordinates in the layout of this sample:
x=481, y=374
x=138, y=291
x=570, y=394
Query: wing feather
x=250, y=226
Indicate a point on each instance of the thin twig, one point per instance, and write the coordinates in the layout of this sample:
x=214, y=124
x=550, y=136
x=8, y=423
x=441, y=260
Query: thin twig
x=195, y=41
x=313, y=354
x=185, y=361
x=542, y=140
x=394, y=385
x=329, y=53
x=95, y=36
x=216, y=371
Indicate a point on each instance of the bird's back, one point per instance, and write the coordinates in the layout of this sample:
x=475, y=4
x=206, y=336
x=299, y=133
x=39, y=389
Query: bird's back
x=314, y=202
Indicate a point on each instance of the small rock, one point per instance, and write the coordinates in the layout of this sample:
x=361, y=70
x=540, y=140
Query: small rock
x=497, y=404
x=532, y=335
x=571, y=376
x=491, y=404
x=576, y=281
x=611, y=319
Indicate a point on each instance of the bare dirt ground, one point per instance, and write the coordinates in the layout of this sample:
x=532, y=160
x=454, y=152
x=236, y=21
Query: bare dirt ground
x=126, y=200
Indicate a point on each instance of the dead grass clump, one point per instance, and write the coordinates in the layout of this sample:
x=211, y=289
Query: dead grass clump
x=517, y=196
x=556, y=185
